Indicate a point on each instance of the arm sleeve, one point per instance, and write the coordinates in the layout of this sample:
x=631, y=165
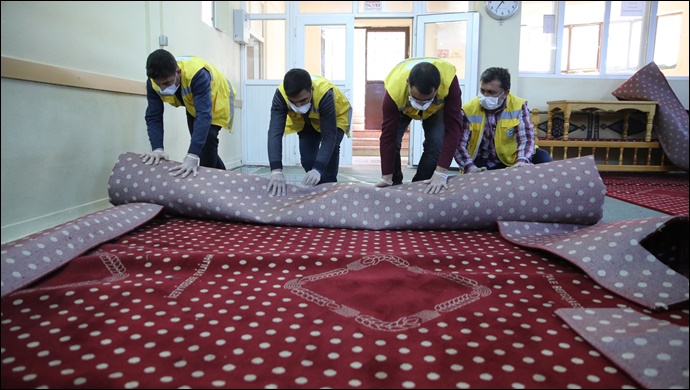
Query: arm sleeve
x=462, y=156
x=276, y=129
x=203, y=105
x=154, y=117
x=389, y=132
x=452, y=119
x=525, y=136
x=329, y=129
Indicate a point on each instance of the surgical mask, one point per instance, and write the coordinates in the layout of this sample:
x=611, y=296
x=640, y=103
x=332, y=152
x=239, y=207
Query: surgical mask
x=170, y=91
x=420, y=104
x=301, y=109
x=490, y=102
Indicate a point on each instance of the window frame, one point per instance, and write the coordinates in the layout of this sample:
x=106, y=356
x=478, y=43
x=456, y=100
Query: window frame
x=646, y=47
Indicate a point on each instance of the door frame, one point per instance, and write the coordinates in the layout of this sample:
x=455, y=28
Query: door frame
x=295, y=59
x=468, y=84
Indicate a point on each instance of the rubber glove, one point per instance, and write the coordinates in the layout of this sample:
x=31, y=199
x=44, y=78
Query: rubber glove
x=154, y=157
x=386, y=181
x=437, y=183
x=520, y=164
x=475, y=169
x=312, y=178
x=276, y=184
x=189, y=165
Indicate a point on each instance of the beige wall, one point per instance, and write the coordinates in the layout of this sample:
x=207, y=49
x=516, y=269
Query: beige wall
x=73, y=99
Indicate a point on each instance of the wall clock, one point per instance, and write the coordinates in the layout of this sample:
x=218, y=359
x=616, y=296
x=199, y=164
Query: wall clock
x=501, y=10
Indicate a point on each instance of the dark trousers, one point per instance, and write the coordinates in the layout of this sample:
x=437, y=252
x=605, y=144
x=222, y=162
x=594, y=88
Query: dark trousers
x=540, y=156
x=434, y=130
x=309, y=144
x=209, y=153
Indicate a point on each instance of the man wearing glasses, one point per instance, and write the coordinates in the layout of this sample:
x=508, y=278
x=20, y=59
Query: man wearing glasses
x=209, y=99
x=425, y=89
x=497, y=132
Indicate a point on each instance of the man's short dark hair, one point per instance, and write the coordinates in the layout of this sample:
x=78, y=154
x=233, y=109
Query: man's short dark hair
x=161, y=64
x=495, y=73
x=295, y=81
x=425, y=77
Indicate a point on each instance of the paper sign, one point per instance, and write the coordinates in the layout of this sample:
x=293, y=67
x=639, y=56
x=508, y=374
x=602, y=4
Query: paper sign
x=549, y=24
x=373, y=6
x=632, y=8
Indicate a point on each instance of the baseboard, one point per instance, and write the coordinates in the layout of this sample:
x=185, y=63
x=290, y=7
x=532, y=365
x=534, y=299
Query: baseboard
x=21, y=229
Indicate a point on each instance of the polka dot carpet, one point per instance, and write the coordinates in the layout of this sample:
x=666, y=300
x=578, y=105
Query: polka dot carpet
x=671, y=122
x=612, y=254
x=191, y=303
x=26, y=260
x=664, y=192
x=569, y=191
x=651, y=350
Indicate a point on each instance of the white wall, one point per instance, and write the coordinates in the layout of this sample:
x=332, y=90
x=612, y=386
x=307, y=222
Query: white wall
x=60, y=143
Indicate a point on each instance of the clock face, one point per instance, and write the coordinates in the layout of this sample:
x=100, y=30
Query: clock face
x=502, y=10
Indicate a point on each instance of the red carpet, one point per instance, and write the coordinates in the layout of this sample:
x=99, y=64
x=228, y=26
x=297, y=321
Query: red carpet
x=663, y=192
x=184, y=303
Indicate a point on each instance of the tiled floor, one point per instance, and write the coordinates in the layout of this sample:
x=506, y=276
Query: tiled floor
x=367, y=169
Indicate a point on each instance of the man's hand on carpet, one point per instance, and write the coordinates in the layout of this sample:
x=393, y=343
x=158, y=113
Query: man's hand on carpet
x=312, y=178
x=154, y=157
x=475, y=169
x=276, y=184
x=437, y=183
x=189, y=165
x=386, y=181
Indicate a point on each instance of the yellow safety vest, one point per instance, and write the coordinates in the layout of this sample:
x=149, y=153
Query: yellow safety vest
x=396, y=86
x=504, y=140
x=222, y=91
x=295, y=122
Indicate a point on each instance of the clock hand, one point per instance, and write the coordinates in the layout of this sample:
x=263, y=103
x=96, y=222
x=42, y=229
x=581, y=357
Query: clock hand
x=499, y=5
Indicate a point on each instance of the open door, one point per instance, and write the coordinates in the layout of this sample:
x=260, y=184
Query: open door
x=455, y=38
x=325, y=46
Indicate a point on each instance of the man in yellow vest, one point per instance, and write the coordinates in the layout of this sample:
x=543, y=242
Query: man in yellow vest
x=424, y=89
x=320, y=114
x=209, y=100
x=497, y=132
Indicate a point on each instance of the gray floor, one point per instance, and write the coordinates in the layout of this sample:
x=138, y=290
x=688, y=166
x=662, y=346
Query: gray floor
x=368, y=170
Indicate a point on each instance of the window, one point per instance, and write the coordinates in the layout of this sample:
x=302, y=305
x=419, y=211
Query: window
x=267, y=29
x=207, y=12
x=603, y=37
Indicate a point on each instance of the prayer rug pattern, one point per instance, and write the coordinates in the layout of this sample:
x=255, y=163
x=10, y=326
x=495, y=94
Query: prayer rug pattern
x=189, y=303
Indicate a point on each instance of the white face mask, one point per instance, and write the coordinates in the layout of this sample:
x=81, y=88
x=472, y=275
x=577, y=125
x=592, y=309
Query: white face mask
x=490, y=102
x=418, y=106
x=170, y=91
x=301, y=109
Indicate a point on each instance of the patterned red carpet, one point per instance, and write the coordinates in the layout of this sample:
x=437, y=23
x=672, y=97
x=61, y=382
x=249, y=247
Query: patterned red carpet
x=663, y=192
x=185, y=303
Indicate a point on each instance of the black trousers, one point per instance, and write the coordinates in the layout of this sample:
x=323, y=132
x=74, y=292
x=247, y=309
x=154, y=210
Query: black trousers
x=209, y=157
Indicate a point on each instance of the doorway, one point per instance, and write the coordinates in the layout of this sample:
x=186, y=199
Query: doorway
x=380, y=44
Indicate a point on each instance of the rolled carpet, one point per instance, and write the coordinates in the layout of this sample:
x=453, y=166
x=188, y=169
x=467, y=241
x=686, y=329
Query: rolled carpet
x=566, y=191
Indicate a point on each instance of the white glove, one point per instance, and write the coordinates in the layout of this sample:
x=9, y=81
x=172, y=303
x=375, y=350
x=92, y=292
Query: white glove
x=475, y=169
x=437, y=183
x=312, y=178
x=520, y=164
x=154, y=157
x=386, y=181
x=189, y=165
x=276, y=185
